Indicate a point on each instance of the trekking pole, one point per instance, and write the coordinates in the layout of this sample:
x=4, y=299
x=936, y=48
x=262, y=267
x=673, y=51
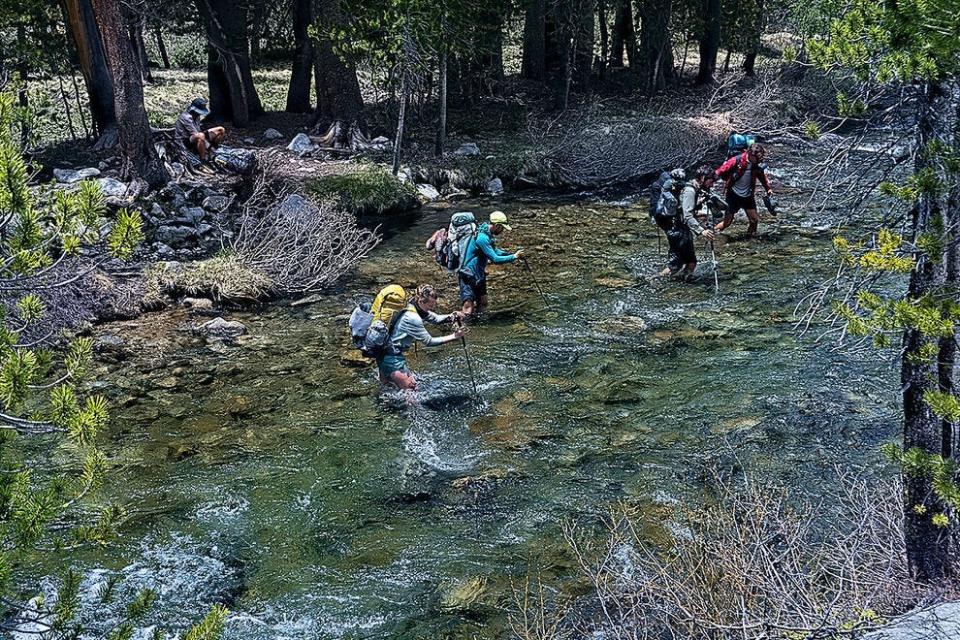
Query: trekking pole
x=716, y=277
x=534, y=279
x=466, y=354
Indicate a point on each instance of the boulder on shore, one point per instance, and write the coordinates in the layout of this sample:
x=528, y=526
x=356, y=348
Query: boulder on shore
x=70, y=176
x=302, y=145
x=467, y=149
x=272, y=134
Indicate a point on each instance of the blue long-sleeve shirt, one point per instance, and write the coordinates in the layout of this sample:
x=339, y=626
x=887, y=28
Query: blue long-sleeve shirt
x=482, y=250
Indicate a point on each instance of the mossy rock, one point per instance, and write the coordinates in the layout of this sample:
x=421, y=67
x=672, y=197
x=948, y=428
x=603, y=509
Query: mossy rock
x=367, y=190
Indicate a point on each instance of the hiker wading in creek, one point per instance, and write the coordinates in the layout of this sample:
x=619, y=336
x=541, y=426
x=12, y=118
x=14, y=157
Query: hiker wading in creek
x=188, y=131
x=740, y=175
x=482, y=250
x=676, y=214
x=406, y=326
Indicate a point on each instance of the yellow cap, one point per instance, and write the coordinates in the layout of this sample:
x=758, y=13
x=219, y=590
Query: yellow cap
x=500, y=218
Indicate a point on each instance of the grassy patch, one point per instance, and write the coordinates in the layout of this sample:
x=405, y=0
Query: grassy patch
x=222, y=278
x=369, y=189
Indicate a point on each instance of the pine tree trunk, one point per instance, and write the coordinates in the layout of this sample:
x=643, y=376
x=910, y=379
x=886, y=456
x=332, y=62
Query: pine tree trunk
x=339, y=101
x=93, y=64
x=604, y=39
x=256, y=29
x=23, y=69
x=584, y=40
x=930, y=549
x=753, y=46
x=135, y=26
x=442, y=104
x=534, y=41
x=709, y=43
x=140, y=159
x=298, y=94
x=656, y=45
x=401, y=123
x=162, y=47
x=624, y=36
x=228, y=62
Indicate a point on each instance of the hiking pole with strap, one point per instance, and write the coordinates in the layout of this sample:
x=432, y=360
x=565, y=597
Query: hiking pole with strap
x=535, y=282
x=466, y=354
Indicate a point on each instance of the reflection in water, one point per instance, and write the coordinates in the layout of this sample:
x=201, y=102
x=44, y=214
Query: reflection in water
x=274, y=476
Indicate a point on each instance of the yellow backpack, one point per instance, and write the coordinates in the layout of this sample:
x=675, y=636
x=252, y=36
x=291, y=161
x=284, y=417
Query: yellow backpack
x=372, y=330
x=390, y=300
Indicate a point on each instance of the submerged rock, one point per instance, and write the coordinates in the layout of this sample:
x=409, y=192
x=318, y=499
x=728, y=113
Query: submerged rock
x=353, y=358
x=460, y=595
x=220, y=329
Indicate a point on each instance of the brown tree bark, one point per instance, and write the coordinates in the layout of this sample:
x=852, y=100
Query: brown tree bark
x=656, y=47
x=233, y=95
x=709, y=42
x=584, y=41
x=140, y=159
x=339, y=101
x=931, y=552
x=756, y=32
x=298, y=94
x=624, y=36
x=534, y=41
x=161, y=46
x=93, y=64
x=135, y=26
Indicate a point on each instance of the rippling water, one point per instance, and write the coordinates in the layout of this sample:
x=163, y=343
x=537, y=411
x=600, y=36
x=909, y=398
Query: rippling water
x=271, y=476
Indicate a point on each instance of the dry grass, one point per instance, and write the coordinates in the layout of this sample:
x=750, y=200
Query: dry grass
x=760, y=563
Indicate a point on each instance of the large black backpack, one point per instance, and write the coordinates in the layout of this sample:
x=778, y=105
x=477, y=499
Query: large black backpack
x=655, y=190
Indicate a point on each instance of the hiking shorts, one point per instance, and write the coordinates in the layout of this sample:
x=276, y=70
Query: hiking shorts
x=681, y=249
x=735, y=202
x=388, y=365
x=472, y=289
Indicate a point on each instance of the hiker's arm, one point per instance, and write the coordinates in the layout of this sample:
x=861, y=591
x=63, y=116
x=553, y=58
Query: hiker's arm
x=726, y=167
x=436, y=318
x=688, y=201
x=762, y=177
x=483, y=243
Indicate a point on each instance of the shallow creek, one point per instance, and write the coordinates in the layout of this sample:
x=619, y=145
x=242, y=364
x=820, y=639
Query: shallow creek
x=272, y=475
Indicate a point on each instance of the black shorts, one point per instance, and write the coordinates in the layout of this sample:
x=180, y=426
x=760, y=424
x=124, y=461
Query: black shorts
x=735, y=202
x=681, y=249
x=472, y=289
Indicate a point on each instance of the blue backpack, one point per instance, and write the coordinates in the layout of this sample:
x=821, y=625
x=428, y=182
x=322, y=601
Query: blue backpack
x=738, y=143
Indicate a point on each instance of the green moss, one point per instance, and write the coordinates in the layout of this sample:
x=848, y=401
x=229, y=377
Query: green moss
x=370, y=189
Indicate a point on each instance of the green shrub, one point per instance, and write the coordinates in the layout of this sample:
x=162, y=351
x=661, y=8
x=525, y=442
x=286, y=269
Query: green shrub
x=370, y=189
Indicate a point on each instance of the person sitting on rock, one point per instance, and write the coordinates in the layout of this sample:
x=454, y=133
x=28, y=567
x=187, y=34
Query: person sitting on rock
x=409, y=328
x=188, y=130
